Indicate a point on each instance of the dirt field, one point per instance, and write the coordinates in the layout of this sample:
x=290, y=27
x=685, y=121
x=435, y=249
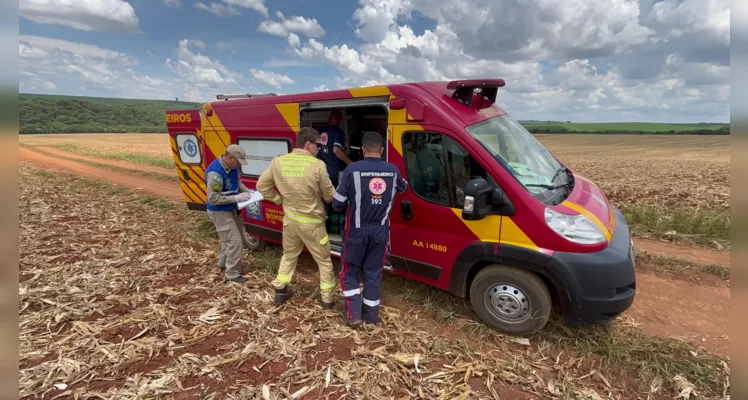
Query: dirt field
x=672, y=171
x=166, y=322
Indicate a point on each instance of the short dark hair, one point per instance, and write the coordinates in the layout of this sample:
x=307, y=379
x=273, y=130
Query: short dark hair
x=372, y=142
x=304, y=135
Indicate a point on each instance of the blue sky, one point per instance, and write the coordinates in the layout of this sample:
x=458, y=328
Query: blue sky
x=665, y=60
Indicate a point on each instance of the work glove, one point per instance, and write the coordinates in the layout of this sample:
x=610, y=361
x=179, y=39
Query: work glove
x=244, y=196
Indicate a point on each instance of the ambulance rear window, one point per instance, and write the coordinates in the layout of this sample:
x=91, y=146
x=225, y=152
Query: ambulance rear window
x=260, y=152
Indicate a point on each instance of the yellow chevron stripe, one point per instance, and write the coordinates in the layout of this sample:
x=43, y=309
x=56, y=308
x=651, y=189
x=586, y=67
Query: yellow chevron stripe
x=590, y=215
x=396, y=135
x=290, y=113
x=213, y=140
x=370, y=91
x=194, y=178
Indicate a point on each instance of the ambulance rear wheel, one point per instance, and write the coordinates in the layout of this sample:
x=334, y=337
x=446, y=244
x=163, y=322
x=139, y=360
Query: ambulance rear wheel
x=510, y=299
x=252, y=243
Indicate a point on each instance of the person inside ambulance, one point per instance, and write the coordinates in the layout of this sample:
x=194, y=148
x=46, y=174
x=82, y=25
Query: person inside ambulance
x=303, y=184
x=367, y=189
x=356, y=134
x=333, y=147
x=224, y=191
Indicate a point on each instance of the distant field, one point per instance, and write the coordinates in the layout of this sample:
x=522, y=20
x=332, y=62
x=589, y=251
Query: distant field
x=622, y=127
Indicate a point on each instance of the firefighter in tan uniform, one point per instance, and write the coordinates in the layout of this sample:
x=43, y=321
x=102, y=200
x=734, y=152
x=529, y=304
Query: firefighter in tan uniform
x=303, y=183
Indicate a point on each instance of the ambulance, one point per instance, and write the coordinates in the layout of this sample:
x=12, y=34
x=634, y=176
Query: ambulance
x=489, y=215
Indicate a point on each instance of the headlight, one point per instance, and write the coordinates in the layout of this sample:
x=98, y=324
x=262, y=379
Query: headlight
x=577, y=228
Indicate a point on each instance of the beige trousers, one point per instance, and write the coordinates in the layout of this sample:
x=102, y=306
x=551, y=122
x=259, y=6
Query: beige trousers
x=230, y=228
x=296, y=235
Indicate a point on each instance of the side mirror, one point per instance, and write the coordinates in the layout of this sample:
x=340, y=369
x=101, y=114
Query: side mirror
x=477, y=199
x=500, y=203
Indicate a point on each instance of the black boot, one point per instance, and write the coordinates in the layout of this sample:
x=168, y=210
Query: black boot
x=282, y=295
x=326, y=306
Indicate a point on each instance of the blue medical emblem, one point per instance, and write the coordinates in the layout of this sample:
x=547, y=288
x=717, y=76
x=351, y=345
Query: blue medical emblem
x=190, y=147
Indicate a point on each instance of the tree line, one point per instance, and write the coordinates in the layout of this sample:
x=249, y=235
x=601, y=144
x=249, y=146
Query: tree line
x=725, y=130
x=51, y=114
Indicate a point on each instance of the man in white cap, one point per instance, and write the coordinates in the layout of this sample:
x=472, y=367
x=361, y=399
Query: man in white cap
x=224, y=191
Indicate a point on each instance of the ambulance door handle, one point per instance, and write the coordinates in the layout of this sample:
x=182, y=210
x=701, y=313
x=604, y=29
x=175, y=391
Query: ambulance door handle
x=406, y=210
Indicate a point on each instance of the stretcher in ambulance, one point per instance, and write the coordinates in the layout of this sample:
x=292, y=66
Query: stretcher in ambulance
x=490, y=214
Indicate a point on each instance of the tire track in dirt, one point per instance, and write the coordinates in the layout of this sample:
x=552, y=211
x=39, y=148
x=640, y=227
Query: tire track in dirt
x=115, y=163
x=664, y=307
x=698, y=314
x=698, y=255
x=169, y=190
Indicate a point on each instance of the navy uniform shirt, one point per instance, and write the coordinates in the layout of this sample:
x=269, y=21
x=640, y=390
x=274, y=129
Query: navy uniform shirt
x=369, y=187
x=331, y=136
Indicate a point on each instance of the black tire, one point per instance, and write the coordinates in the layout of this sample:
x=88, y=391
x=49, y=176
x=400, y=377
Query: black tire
x=512, y=285
x=252, y=243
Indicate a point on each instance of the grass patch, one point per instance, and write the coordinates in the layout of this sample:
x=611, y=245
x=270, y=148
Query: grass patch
x=678, y=266
x=620, y=348
x=703, y=227
x=269, y=259
x=157, y=202
x=204, y=228
x=43, y=173
x=135, y=158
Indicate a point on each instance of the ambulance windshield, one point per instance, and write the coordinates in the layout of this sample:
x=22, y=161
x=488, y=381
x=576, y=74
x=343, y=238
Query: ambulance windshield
x=522, y=155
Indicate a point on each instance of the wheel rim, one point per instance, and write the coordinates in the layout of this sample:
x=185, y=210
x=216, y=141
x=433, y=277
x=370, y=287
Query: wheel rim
x=253, y=241
x=508, y=303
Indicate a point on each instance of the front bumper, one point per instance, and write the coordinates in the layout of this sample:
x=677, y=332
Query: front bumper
x=601, y=285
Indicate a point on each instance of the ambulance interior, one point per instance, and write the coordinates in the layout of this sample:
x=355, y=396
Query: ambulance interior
x=356, y=121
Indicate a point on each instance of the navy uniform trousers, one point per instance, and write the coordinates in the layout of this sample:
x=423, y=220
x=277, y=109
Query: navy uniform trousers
x=363, y=255
x=368, y=190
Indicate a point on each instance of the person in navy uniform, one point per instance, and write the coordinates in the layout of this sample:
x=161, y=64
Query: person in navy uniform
x=333, y=147
x=368, y=190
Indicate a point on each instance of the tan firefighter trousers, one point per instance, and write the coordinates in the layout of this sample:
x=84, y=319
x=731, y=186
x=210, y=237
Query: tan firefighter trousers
x=230, y=228
x=298, y=233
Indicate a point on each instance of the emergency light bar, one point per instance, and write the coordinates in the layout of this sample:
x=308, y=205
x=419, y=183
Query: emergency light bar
x=241, y=96
x=465, y=89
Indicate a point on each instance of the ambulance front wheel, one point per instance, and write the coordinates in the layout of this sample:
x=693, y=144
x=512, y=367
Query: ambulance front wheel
x=510, y=299
x=252, y=243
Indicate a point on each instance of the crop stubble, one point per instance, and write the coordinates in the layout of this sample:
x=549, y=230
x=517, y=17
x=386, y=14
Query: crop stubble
x=116, y=298
x=691, y=172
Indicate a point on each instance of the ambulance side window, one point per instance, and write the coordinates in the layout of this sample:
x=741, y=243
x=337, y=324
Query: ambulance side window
x=463, y=168
x=426, y=166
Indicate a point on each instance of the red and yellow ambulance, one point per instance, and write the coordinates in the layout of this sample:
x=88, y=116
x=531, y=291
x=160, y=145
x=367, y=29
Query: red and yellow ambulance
x=489, y=213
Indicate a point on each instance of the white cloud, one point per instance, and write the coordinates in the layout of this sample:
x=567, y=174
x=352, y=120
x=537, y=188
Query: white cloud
x=615, y=57
x=271, y=78
x=221, y=10
x=283, y=28
x=46, y=64
x=115, y=16
x=232, y=7
x=197, y=71
x=320, y=88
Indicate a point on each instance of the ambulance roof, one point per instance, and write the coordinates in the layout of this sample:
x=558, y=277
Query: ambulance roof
x=434, y=94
